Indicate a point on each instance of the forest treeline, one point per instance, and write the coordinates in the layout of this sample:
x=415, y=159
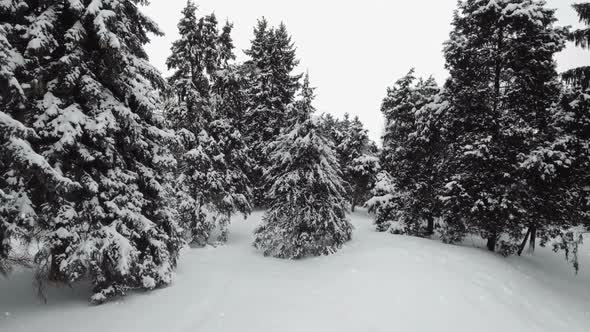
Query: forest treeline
x=109, y=169
x=502, y=149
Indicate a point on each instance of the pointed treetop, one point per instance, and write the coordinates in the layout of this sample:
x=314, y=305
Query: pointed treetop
x=189, y=13
x=261, y=26
x=307, y=92
x=304, y=108
x=407, y=80
x=226, y=44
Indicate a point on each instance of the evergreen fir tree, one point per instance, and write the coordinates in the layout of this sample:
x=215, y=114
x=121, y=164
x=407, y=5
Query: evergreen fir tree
x=411, y=153
x=362, y=173
x=429, y=155
x=357, y=167
x=272, y=87
x=424, y=154
x=24, y=171
x=356, y=154
x=91, y=143
x=397, y=107
x=284, y=59
x=329, y=126
x=307, y=207
x=564, y=161
x=386, y=204
x=212, y=184
x=502, y=85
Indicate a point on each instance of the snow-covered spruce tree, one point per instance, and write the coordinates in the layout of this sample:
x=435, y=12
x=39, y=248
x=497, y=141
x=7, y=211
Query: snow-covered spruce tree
x=356, y=153
x=25, y=174
x=211, y=183
x=410, y=155
x=398, y=109
x=429, y=153
x=18, y=161
x=574, y=129
x=424, y=149
x=362, y=173
x=564, y=161
x=271, y=87
x=329, y=125
x=337, y=130
x=230, y=101
x=530, y=106
x=357, y=164
x=307, y=207
x=502, y=86
x=565, y=165
x=386, y=204
x=82, y=82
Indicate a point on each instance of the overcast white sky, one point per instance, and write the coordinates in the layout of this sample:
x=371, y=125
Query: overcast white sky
x=353, y=50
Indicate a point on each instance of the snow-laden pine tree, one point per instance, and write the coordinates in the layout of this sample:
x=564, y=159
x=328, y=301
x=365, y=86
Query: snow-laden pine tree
x=25, y=173
x=502, y=85
x=385, y=204
x=358, y=164
x=362, y=173
x=211, y=184
x=398, y=108
x=271, y=88
x=564, y=161
x=306, y=195
x=410, y=155
x=329, y=125
x=428, y=150
x=86, y=96
x=356, y=153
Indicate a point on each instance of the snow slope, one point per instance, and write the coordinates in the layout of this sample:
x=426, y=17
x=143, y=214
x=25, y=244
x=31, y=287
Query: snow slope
x=378, y=282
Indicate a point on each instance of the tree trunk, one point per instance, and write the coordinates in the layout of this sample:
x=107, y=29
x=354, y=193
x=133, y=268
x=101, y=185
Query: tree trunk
x=492, y=239
x=498, y=70
x=533, y=239
x=430, y=227
x=523, y=244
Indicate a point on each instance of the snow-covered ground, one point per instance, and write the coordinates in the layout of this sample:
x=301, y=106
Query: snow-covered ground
x=378, y=282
